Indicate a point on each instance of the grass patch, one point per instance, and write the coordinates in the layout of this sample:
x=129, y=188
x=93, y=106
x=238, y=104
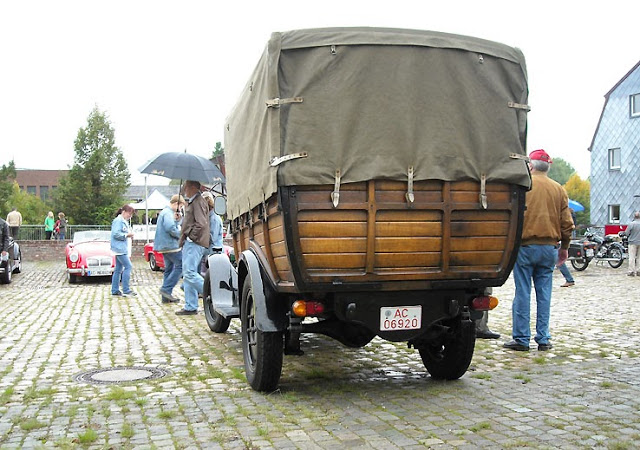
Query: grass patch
x=119, y=393
x=141, y=401
x=166, y=414
x=480, y=426
x=525, y=379
x=88, y=437
x=540, y=360
x=481, y=376
x=606, y=384
x=31, y=424
x=33, y=393
x=127, y=431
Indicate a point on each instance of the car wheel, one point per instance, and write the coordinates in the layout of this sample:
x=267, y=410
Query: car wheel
x=450, y=356
x=17, y=267
x=5, y=278
x=152, y=262
x=216, y=322
x=262, y=351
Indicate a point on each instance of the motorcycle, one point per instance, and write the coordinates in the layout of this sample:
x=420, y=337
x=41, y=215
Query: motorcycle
x=596, y=248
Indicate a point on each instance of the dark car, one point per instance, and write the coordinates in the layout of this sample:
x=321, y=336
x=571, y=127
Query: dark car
x=13, y=264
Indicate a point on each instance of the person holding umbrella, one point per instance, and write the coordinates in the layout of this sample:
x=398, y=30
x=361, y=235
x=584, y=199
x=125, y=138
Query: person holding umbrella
x=194, y=241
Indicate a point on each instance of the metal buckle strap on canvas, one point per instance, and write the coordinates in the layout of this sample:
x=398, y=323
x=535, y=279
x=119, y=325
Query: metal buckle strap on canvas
x=483, y=191
x=249, y=214
x=335, y=195
x=264, y=208
x=276, y=102
x=519, y=106
x=280, y=159
x=518, y=156
x=409, y=195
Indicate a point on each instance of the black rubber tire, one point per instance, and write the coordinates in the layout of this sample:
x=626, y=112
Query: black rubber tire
x=579, y=264
x=216, y=322
x=153, y=265
x=17, y=268
x=262, y=351
x=450, y=359
x=5, y=278
x=72, y=279
x=615, y=252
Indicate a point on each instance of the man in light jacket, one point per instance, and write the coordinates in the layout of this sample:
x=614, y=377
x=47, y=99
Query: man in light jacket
x=167, y=241
x=633, y=231
x=194, y=241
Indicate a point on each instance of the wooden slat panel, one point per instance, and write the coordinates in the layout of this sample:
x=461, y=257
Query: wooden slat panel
x=479, y=216
x=332, y=229
x=466, y=229
x=408, y=229
x=391, y=260
x=278, y=249
x=473, y=197
x=276, y=235
x=408, y=244
x=282, y=264
x=475, y=258
x=399, y=196
x=475, y=243
x=390, y=185
x=409, y=216
x=333, y=245
x=475, y=186
x=334, y=261
x=330, y=216
x=320, y=197
x=275, y=221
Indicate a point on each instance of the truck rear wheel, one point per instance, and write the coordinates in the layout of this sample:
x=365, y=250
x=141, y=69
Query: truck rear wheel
x=449, y=359
x=262, y=351
x=216, y=322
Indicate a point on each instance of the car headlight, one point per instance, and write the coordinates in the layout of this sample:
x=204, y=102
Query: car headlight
x=73, y=257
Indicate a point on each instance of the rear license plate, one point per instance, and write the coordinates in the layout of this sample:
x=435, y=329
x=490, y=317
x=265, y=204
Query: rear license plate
x=589, y=252
x=98, y=273
x=400, y=318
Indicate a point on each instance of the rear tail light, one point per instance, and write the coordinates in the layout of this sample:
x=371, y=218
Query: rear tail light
x=303, y=308
x=484, y=303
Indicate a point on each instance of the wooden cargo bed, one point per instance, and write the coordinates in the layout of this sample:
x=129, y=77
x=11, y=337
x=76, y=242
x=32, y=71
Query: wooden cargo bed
x=375, y=236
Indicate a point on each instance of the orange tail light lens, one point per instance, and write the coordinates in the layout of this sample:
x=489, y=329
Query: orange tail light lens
x=484, y=303
x=303, y=308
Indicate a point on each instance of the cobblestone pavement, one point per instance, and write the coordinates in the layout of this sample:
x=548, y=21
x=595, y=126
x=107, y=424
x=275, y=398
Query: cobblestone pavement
x=585, y=393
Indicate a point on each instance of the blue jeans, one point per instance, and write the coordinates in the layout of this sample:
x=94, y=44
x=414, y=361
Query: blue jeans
x=534, y=262
x=193, y=281
x=123, y=267
x=564, y=270
x=172, y=271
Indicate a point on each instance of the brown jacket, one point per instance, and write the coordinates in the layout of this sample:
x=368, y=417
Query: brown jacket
x=547, y=218
x=195, y=225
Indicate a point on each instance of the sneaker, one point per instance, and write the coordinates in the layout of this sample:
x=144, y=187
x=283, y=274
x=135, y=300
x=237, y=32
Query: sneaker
x=129, y=294
x=117, y=294
x=568, y=284
x=167, y=297
x=186, y=312
x=545, y=347
x=513, y=345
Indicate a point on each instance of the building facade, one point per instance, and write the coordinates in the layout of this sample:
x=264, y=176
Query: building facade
x=40, y=183
x=615, y=154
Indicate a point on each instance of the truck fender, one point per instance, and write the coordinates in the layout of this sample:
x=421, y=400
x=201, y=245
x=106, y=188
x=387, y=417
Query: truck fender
x=224, y=285
x=271, y=314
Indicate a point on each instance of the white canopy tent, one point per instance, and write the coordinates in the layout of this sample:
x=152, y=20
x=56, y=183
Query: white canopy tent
x=154, y=201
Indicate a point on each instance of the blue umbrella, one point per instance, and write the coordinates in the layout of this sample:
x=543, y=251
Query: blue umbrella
x=576, y=206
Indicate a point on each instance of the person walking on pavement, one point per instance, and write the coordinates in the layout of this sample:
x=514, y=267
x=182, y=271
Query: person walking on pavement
x=166, y=242
x=194, y=241
x=215, y=232
x=14, y=219
x=547, y=220
x=564, y=270
x=61, y=226
x=633, y=232
x=121, y=236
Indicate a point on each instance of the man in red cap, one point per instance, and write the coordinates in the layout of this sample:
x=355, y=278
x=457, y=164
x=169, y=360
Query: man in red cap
x=547, y=220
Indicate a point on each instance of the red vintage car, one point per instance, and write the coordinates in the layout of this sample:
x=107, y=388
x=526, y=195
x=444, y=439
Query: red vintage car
x=89, y=255
x=156, y=260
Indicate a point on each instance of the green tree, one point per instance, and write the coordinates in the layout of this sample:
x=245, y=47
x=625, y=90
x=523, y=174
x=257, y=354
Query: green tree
x=218, y=150
x=7, y=178
x=580, y=191
x=561, y=170
x=94, y=187
x=32, y=208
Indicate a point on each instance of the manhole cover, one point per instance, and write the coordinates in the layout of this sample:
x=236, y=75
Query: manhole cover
x=116, y=375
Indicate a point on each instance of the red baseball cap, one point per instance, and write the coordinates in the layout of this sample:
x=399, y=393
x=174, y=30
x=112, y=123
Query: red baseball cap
x=540, y=155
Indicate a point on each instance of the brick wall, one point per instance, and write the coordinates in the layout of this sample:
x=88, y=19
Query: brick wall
x=54, y=250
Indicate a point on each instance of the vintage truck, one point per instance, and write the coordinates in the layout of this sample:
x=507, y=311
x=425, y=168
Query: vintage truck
x=376, y=181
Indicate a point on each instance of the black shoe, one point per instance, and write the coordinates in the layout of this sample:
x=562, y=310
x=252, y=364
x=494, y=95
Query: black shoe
x=117, y=294
x=487, y=334
x=545, y=347
x=186, y=312
x=170, y=300
x=513, y=345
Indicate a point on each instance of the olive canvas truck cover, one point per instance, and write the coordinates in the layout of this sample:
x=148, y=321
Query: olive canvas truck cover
x=354, y=104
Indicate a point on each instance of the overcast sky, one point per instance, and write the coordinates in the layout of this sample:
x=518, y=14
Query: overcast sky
x=168, y=73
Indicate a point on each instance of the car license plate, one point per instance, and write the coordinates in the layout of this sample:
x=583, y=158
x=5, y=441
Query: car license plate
x=589, y=252
x=400, y=318
x=98, y=273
